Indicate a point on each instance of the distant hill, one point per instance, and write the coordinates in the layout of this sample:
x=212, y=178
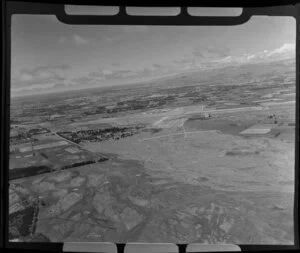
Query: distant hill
x=237, y=74
x=232, y=74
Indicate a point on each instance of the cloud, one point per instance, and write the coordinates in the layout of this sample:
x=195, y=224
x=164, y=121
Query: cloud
x=220, y=59
x=219, y=51
x=210, y=52
x=144, y=72
x=285, y=51
x=62, y=39
x=226, y=59
x=158, y=66
x=106, y=72
x=53, y=67
x=39, y=89
x=79, y=40
x=84, y=80
x=252, y=56
x=96, y=74
x=286, y=48
x=198, y=54
x=119, y=74
x=59, y=86
x=183, y=61
x=93, y=78
x=113, y=39
x=42, y=75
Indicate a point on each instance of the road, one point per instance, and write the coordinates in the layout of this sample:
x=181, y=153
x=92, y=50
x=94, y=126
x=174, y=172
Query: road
x=73, y=143
x=159, y=121
x=184, y=133
x=67, y=140
x=236, y=109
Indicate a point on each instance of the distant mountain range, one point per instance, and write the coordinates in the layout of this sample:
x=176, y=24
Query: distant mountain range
x=234, y=74
x=237, y=74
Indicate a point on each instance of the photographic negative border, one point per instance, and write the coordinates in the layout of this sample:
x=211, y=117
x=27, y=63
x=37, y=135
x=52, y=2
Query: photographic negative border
x=183, y=19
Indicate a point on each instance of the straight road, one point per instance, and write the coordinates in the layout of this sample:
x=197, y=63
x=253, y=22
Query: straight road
x=67, y=140
x=181, y=133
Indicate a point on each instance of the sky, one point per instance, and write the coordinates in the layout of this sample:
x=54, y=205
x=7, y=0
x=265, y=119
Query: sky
x=47, y=55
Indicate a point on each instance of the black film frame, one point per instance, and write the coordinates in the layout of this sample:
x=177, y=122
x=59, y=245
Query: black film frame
x=51, y=7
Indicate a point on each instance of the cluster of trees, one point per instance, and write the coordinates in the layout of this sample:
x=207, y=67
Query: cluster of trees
x=28, y=171
x=35, y=131
x=20, y=138
x=78, y=164
x=20, y=222
x=14, y=121
x=140, y=104
x=152, y=130
x=25, y=136
x=114, y=133
x=96, y=110
x=273, y=118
